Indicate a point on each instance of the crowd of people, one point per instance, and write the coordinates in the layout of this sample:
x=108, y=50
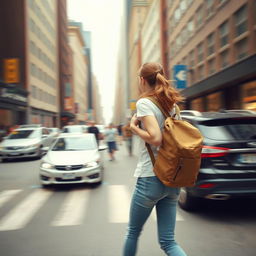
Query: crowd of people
x=114, y=136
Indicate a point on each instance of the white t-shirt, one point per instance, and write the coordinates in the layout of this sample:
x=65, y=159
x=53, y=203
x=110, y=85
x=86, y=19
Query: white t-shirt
x=145, y=107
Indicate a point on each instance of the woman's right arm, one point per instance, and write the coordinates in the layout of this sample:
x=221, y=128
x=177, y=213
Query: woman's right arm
x=152, y=133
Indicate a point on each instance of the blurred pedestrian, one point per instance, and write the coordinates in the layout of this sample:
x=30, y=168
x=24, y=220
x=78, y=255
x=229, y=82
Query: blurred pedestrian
x=127, y=133
x=150, y=192
x=120, y=133
x=94, y=129
x=110, y=136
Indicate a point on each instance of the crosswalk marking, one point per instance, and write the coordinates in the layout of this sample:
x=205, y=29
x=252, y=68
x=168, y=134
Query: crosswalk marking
x=119, y=204
x=21, y=214
x=6, y=195
x=73, y=209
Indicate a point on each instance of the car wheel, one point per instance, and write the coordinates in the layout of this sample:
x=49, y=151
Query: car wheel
x=186, y=201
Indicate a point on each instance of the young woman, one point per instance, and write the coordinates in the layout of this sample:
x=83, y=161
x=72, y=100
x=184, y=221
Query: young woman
x=149, y=191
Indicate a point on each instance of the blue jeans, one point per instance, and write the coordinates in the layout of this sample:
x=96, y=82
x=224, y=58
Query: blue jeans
x=150, y=192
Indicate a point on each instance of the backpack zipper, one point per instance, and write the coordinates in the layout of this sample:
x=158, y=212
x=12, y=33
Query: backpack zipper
x=177, y=170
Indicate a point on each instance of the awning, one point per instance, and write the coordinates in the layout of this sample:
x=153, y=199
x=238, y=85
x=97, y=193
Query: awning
x=67, y=114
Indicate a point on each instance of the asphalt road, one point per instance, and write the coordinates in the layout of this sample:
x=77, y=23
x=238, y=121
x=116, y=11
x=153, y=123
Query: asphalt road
x=91, y=220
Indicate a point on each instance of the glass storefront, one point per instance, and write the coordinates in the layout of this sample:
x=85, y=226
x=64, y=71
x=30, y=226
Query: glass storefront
x=214, y=102
x=249, y=95
x=198, y=104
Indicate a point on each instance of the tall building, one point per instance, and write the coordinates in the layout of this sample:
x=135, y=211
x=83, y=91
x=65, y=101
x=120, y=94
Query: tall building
x=42, y=62
x=13, y=67
x=151, y=35
x=66, y=90
x=30, y=63
x=80, y=72
x=216, y=40
x=97, y=114
x=137, y=15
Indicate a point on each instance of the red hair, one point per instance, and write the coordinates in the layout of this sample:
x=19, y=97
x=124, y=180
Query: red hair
x=165, y=94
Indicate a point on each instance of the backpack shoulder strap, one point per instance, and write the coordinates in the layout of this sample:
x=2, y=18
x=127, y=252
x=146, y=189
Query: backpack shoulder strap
x=159, y=106
x=151, y=154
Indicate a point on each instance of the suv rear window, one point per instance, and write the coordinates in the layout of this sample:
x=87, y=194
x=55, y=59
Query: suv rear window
x=229, y=129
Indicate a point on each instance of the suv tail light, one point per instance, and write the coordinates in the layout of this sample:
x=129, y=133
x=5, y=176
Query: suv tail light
x=209, y=151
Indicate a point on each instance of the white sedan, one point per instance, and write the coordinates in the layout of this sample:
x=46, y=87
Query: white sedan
x=73, y=158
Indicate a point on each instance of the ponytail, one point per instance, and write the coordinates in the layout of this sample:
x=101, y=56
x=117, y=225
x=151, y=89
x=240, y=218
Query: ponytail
x=162, y=90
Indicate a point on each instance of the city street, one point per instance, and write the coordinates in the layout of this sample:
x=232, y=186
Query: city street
x=91, y=220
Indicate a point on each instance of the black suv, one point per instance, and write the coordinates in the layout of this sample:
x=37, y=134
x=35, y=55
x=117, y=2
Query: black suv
x=228, y=167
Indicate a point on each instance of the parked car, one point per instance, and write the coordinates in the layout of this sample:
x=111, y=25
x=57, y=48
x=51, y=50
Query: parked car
x=228, y=167
x=73, y=158
x=25, y=142
x=74, y=129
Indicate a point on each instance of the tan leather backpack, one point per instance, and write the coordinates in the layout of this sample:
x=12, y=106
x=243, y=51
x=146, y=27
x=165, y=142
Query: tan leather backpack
x=179, y=157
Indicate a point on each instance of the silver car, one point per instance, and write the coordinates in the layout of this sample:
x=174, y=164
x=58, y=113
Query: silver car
x=73, y=158
x=25, y=142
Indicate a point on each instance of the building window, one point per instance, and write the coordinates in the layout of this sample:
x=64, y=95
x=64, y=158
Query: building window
x=223, y=34
x=241, y=20
x=199, y=16
x=177, y=15
x=191, y=59
x=190, y=28
x=211, y=66
x=224, y=59
x=183, y=6
x=210, y=41
x=201, y=72
x=222, y=2
x=189, y=2
x=200, y=52
x=209, y=7
x=241, y=49
x=33, y=69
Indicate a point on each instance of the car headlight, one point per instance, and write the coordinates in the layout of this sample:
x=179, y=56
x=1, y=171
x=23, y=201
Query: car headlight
x=46, y=165
x=91, y=164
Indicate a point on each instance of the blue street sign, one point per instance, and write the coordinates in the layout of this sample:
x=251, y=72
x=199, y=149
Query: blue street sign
x=180, y=76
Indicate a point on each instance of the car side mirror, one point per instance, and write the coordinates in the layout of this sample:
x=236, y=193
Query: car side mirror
x=44, y=136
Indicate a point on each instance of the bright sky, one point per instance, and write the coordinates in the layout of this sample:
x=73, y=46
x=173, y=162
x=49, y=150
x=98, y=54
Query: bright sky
x=103, y=19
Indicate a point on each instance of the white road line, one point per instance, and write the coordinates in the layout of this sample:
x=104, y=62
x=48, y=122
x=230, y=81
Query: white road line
x=178, y=216
x=23, y=212
x=73, y=209
x=119, y=204
x=7, y=195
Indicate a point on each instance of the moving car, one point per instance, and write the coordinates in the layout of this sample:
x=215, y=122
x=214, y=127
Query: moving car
x=25, y=142
x=73, y=158
x=228, y=167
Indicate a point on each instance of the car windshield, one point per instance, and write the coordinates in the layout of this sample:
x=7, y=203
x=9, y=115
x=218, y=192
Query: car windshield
x=23, y=134
x=75, y=144
x=229, y=129
x=73, y=129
